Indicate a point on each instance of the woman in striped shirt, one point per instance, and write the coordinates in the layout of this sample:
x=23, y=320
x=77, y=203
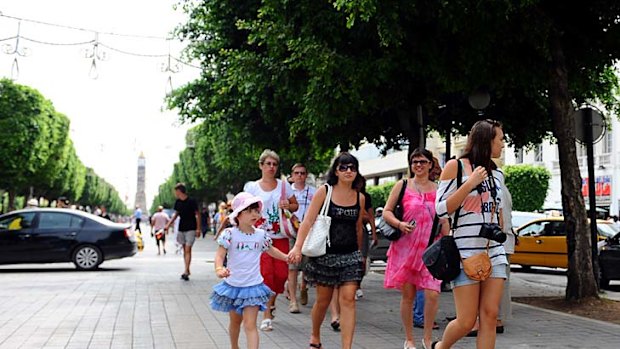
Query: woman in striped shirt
x=475, y=202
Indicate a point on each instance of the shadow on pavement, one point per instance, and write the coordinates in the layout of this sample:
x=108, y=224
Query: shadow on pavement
x=57, y=270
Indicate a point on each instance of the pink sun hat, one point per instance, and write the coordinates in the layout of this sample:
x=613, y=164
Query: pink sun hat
x=242, y=201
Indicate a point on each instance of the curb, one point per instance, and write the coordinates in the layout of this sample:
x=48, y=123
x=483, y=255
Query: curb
x=555, y=312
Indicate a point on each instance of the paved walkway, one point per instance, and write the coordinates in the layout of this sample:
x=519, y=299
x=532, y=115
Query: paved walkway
x=141, y=303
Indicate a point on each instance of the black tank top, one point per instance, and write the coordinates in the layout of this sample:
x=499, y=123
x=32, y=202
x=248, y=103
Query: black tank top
x=343, y=229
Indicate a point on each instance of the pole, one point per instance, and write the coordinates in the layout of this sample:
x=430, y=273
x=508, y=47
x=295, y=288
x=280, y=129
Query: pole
x=448, y=145
x=587, y=127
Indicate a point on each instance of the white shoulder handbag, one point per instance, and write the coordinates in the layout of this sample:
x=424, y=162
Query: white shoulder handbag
x=317, y=240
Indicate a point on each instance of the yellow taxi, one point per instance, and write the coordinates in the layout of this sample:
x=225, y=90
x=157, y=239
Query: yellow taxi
x=542, y=242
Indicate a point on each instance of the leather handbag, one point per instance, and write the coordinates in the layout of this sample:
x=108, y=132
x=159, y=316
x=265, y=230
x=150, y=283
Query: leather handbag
x=389, y=232
x=317, y=240
x=478, y=267
x=289, y=223
x=442, y=257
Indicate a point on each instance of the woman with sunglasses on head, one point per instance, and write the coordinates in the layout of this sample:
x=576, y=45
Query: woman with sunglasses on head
x=405, y=269
x=475, y=205
x=269, y=189
x=341, y=267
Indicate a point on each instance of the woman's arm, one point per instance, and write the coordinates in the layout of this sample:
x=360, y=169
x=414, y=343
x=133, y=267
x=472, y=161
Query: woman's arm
x=277, y=254
x=373, y=228
x=360, y=221
x=388, y=210
x=306, y=224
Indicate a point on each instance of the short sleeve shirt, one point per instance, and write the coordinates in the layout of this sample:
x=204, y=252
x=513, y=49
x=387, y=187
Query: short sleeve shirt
x=270, y=221
x=159, y=220
x=244, y=251
x=187, y=213
x=304, y=197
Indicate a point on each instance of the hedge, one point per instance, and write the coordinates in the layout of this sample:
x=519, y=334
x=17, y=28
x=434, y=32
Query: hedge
x=528, y=185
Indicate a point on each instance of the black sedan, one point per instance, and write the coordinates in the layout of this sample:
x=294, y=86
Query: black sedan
x=609, y=261
x=49, y=235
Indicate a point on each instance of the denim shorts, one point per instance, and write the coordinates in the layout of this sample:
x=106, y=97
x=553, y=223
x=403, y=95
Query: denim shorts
x=499, y=272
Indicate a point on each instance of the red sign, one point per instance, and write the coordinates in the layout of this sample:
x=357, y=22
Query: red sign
x=602, y=186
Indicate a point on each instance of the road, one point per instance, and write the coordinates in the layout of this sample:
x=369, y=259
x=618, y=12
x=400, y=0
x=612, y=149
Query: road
x=140, y=302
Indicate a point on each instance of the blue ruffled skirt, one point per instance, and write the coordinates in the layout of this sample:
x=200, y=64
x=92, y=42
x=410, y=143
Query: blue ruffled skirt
x=226, y=297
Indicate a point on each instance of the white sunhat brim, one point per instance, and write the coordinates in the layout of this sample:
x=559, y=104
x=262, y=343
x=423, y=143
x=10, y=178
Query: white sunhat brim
x=247, y=203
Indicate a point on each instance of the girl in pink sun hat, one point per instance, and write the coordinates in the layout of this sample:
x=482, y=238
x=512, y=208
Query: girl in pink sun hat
x=243, y=293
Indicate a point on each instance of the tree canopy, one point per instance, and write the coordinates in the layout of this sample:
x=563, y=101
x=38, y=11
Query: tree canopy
x=38, y=156
x=307, y=76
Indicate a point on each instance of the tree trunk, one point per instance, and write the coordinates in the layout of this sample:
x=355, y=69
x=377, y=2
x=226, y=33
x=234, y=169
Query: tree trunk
x=581, y=282
x=11, y=200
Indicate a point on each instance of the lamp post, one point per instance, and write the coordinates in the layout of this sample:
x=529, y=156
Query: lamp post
x=479, y=99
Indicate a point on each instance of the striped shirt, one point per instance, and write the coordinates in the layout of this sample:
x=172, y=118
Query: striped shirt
x=475, y=210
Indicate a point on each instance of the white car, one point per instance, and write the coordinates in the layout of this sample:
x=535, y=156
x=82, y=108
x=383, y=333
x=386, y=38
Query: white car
x=520, y=218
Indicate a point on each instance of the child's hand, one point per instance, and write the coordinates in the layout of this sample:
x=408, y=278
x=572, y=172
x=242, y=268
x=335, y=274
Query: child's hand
x=222, y=273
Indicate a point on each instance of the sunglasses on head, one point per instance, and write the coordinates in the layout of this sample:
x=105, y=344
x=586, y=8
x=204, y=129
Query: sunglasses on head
x=344, y=168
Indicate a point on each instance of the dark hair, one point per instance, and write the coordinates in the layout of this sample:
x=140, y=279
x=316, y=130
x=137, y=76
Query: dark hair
x=343, y=159
x=478, y=148
x=417, y=152
x=254, y=206
x=181, y=187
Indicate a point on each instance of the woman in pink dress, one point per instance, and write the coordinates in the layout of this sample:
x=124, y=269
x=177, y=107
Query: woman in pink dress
x=405, y=270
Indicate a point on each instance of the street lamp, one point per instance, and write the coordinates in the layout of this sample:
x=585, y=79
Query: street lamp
x=479, y=99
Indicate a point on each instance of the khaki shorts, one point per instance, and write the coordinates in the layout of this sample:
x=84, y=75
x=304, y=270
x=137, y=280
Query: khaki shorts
x=186, y=238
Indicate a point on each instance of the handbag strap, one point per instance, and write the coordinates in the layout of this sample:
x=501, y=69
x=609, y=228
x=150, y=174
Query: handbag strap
x=328, y=198
x=459, y=182
x=400, y=196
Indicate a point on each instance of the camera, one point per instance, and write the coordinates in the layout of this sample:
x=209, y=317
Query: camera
x=492, y=231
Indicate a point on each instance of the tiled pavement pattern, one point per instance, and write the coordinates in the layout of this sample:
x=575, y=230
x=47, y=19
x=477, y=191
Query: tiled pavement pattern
x=140, y=302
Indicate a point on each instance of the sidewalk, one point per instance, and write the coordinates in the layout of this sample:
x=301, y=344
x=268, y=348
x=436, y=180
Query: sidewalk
x=141, y=303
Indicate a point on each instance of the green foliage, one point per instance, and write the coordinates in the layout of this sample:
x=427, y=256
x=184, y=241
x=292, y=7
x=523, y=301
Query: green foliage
x=37, y=153
x=380, y=193
x=528, y=185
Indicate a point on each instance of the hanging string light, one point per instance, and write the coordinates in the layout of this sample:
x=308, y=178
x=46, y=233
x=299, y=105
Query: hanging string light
x=16, y=51
x=95, y=54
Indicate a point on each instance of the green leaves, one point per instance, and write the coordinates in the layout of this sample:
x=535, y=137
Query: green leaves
x=37, y=153
x=528, y=185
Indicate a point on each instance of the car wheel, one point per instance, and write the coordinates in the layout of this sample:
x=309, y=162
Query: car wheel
x=87, y=257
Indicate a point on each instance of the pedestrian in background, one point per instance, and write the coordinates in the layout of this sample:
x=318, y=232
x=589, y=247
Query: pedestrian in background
x=341, y=267
x=303, y=193
x=269, y=189
x=478, y=201
x=405, y=269
x=158, y=225
x=187, y=210
x=137, y=215
x=243, y=293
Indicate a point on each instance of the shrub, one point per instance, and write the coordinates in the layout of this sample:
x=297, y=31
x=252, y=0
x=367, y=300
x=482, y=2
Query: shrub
x=380, y=193
x=528, y=185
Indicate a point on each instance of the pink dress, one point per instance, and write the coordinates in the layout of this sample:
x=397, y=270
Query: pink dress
x=404, y=264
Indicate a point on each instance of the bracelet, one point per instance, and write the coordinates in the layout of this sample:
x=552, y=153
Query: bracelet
x=219, y=268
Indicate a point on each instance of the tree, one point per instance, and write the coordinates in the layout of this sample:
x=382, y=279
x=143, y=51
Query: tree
x=528, y=186
x=342, y=72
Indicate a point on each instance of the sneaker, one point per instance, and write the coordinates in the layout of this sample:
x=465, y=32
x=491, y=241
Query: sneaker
x=359, y=294
x=293, y=308
x=303, y=298
x=266, y=326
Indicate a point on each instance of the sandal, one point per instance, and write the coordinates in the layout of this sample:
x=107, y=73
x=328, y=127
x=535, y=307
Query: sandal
x=265, y=325
x=313, y=345
x=335, y=325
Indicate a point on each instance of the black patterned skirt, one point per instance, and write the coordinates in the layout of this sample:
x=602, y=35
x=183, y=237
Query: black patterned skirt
x=333, y=270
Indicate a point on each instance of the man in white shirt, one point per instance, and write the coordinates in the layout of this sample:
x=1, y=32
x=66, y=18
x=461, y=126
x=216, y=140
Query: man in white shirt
x=304, y=194
x=158, y=223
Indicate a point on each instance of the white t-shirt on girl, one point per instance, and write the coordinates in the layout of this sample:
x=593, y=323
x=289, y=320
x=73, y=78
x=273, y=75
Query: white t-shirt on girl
x=244, y=252
x=271, y=213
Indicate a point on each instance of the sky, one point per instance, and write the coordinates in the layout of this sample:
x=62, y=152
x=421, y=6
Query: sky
x=122, y=112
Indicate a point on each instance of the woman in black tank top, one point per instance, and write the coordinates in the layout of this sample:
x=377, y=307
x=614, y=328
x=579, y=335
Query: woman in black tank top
x=341, y=267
